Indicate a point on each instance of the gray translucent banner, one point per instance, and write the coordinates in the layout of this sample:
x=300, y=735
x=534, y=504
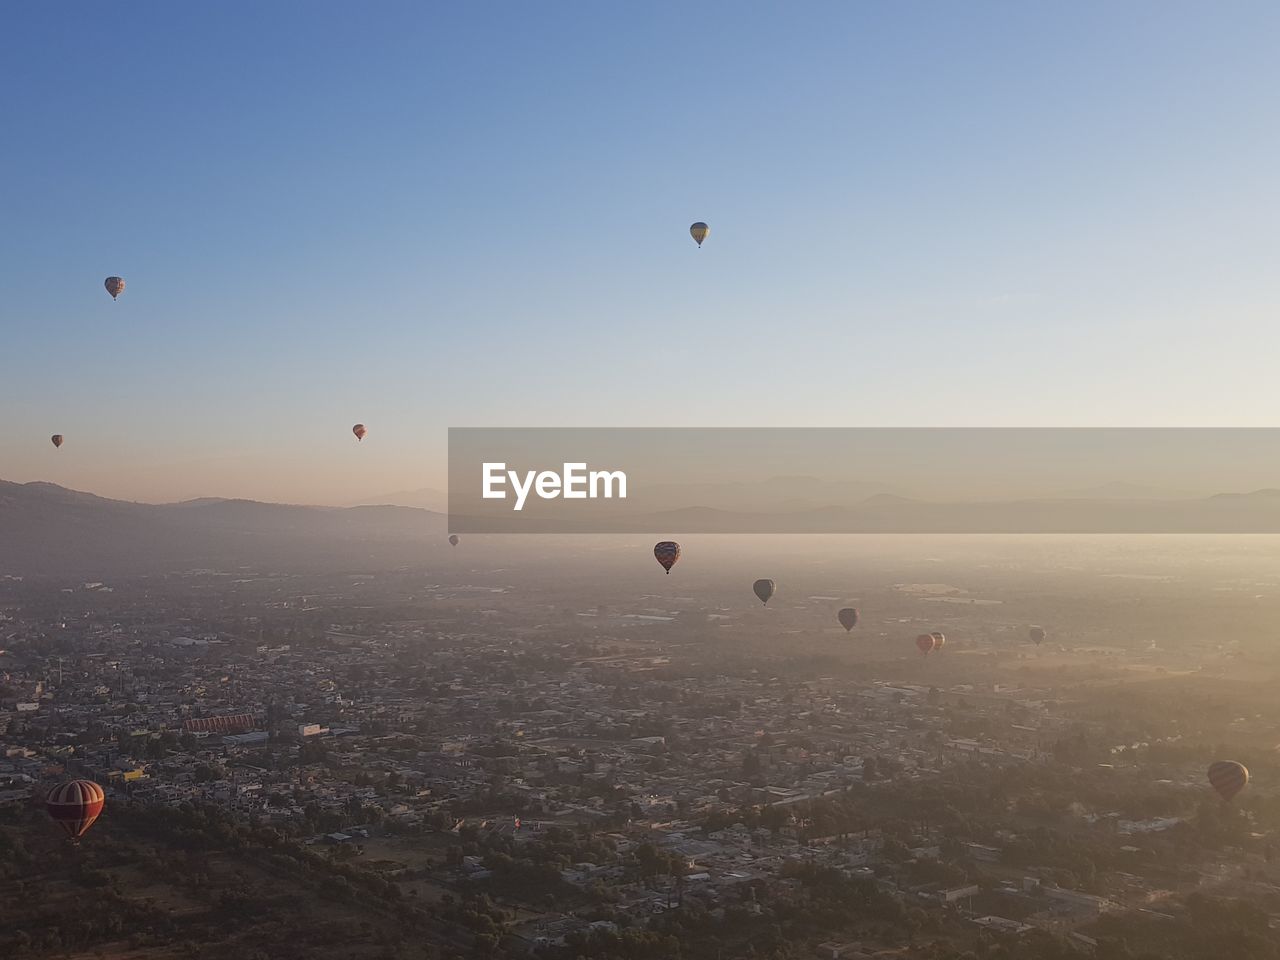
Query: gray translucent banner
x=864, y=480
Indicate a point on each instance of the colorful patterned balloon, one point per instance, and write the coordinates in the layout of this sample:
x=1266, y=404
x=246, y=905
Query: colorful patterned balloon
x=74, y=806
x=667, y=553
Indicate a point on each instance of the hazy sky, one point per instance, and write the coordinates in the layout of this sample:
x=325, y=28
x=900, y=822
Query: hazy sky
x=421, y=215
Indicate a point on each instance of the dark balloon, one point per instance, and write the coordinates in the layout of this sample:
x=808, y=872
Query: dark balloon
x=56, y=439
x=1037, y=635
x=453, y=540
x=699, y=231
x=848, y=618
x=764, y=590
x=1228, y=777
x=667, y=553
x=74, y=806
x=114, y=285
x=360, y=431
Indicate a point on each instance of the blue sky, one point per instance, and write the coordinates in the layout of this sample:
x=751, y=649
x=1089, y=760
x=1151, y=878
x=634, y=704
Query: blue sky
x=422, y=215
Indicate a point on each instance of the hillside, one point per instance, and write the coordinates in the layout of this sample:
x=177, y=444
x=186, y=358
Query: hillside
x=181, y=883
x=49, y=530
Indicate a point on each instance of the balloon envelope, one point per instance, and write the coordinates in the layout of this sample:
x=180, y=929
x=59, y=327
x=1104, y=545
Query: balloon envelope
x=359, y=430
x=764, y=590
x=938, y=639
x=114, y=285
x=848, y=618
x=667, y=553
x=1228, y=777
x=453, y=539
x=925, y=642
x=74, y=806
x=56, y=439
x=699, y=231
x=1037, y=635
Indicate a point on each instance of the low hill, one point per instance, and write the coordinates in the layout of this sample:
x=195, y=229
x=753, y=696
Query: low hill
x=50, y=530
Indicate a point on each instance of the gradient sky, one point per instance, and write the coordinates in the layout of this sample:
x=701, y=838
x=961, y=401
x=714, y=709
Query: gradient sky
x=421, y=215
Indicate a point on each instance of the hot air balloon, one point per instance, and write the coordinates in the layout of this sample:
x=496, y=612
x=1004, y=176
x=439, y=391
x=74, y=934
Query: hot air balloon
x=938, y=639
x=764, y=590
x=667, y=553
x=1227, y=777
x=1037, y=635
x=359, y=430
x=848, y=618
x=74, y=806
x=699, y=231
x=453, y=539
x=56, y=439
x=114, y=285
x=925, y=643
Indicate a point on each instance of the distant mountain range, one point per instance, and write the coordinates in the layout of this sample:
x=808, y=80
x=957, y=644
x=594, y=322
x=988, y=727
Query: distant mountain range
x=804, y=505
x=425, y=498
x=1119, y=490
x=774, y=494
x=46, y=529
x=790, y=495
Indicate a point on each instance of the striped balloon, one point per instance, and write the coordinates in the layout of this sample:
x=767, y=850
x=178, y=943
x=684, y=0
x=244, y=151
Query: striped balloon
x=939, y=639
x=1227, y=777
x=667, y=553
x=74, y=806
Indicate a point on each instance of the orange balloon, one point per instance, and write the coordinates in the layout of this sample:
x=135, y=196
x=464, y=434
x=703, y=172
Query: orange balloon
x=74, y=806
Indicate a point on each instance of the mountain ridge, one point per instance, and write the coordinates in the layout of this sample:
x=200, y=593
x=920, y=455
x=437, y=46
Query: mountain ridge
x=47, y=529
